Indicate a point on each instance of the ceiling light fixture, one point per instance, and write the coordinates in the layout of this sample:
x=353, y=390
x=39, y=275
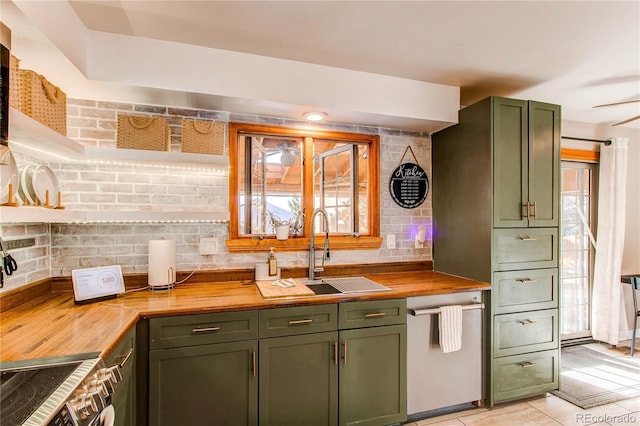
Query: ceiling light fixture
x=287, y=159
x=314, y=115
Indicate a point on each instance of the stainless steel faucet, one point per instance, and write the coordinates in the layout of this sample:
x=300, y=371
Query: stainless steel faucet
x=325, y=253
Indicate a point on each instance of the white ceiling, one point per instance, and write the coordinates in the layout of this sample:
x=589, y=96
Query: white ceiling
x=575, y=53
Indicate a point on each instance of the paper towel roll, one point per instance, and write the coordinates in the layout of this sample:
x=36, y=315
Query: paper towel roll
x=162, y=263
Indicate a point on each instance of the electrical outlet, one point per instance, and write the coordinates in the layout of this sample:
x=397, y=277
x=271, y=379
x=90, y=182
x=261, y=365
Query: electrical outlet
x=421, y=237
x=391, y=241
x=208, y=246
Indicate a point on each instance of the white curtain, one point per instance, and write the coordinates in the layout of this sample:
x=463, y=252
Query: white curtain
x=607, y=291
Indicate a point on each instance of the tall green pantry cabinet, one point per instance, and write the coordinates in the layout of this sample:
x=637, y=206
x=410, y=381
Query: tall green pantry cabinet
x=496, y=195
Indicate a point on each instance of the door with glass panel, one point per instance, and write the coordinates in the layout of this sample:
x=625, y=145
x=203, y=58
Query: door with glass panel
x=578, y=227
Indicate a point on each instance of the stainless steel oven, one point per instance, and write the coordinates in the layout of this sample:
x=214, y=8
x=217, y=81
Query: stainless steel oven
x=74, y=390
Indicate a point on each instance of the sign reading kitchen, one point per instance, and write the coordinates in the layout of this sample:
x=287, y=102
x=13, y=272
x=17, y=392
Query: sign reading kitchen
x=409, y=184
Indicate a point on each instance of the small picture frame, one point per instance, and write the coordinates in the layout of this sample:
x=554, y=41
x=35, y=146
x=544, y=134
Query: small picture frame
x=93, y=284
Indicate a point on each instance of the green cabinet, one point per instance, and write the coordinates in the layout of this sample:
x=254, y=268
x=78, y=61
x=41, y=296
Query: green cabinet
x=526, y=147
x=304, y=365
x=352, y=374
x=496, y=195
x=123, y=398
x=373, y=375
x=299, y=380
x=203, y=369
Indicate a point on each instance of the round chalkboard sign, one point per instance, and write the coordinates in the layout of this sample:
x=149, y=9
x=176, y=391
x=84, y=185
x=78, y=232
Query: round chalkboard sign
x=409, y=185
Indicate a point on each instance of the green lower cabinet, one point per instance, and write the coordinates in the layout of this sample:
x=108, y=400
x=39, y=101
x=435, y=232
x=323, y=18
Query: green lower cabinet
x=123, y=398
x=299, y=380
x=213, y=384
x=373, y=375
x=525, y=375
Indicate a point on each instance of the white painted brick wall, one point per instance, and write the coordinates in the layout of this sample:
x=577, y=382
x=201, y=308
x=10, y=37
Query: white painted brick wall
x=95, y=187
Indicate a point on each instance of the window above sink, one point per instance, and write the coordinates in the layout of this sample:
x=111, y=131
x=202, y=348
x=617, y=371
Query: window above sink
x=281, y=174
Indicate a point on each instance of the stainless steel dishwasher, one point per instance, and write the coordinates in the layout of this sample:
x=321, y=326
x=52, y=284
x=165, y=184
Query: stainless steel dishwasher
x=437, y=380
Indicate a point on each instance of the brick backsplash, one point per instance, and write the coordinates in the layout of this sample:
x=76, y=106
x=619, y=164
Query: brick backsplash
x=60, y=248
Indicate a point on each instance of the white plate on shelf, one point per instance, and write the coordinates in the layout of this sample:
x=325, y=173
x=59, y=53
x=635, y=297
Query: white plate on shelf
x=43, y=180
x=8, y=175
x=26, y=185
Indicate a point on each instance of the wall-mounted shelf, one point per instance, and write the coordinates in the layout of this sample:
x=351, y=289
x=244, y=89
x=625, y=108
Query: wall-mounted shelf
x=30, y=137
x=33, y=138
x=28, y=214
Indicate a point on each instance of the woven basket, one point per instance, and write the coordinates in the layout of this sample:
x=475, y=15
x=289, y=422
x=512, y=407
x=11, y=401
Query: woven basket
x=143, y=132
x=43, y=101
x=202, y=137
x=14, y=82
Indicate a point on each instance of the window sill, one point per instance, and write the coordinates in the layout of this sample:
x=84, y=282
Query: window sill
x=248, y=245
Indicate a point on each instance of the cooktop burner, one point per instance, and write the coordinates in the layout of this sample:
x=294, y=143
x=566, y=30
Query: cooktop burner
x=23, y=391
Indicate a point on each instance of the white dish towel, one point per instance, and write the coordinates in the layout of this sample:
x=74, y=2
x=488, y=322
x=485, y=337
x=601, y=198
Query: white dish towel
x=450, y=328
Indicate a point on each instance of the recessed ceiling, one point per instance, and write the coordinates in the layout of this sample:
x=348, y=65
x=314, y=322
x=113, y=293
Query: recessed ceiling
x=574, y=53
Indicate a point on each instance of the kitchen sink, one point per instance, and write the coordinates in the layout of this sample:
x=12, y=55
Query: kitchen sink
x=343, y=285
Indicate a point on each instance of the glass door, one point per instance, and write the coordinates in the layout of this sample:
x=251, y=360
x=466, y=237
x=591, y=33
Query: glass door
x=578, y=221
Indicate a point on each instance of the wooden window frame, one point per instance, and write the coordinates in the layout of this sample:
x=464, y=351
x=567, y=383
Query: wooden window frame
x=249, y=244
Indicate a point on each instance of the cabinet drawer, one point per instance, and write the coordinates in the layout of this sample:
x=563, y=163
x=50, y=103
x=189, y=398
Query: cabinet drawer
x=525, y=332
x=201, y=329
x=298, y=320
x=525, y=375
x=525, y=290
x=372, y=313
x=525, y=248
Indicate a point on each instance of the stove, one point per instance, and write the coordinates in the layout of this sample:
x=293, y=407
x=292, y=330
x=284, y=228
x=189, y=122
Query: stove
x=73, y=390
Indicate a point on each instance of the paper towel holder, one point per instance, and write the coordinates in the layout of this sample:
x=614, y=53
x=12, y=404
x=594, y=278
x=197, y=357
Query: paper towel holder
x=164, y=251
x=161, y=287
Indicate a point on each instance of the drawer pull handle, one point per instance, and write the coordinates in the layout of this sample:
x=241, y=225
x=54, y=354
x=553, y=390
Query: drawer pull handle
x=528, y=207
x=335, y=352
x=535, y=210
x=302, y=321
x=528, y=238
x=526, y=280
x=205, y=329
x=126, y=358
x=527, y=322
x=375, y=315
x=528, y=364
x=344, y=347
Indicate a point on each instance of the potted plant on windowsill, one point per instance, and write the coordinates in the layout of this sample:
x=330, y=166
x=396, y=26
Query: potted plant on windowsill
x=281, y=227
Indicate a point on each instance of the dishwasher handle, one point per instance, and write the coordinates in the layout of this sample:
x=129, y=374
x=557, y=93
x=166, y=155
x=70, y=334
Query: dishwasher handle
x=433, y=311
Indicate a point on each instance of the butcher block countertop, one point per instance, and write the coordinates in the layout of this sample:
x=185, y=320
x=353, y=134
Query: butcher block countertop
x=52, y=325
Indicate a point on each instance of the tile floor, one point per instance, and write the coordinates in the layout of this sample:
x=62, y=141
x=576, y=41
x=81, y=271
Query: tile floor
x=546, y=410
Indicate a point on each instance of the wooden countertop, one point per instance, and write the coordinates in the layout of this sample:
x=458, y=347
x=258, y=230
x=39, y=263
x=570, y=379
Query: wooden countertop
x=52, y=325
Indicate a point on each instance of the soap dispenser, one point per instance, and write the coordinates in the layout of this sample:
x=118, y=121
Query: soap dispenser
x=272, y=261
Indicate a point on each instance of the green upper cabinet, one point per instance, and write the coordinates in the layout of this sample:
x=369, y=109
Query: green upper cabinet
x=526, y=156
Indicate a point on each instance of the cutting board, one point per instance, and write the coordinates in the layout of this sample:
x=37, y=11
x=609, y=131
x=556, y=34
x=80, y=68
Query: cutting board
x=270, y=291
